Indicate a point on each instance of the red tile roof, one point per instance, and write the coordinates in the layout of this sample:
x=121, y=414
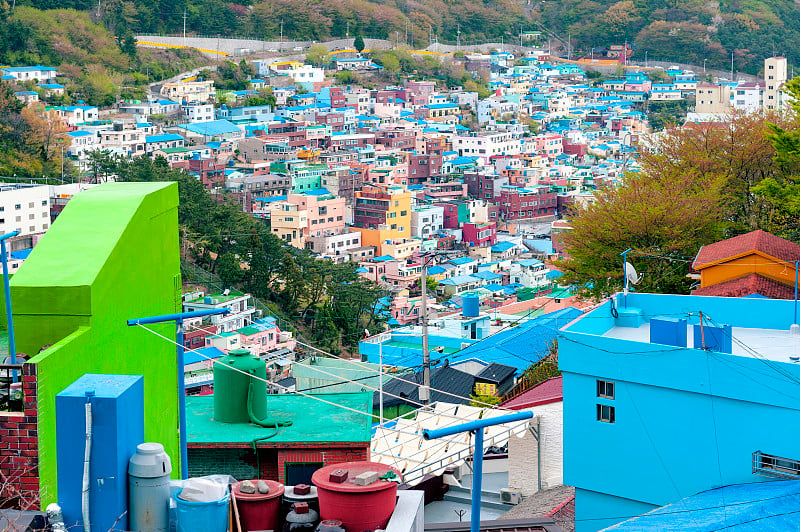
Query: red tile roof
x=545, y=392
x=748, y=285
x=762, y=241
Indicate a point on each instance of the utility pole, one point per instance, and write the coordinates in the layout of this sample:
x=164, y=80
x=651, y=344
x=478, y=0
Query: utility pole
x=731, y=66
x=184, y=27
x=425, y=390
x=458, y=37
x=281, y=45
x=347, y=32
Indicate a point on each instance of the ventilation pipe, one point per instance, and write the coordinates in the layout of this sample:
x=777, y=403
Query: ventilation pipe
x=87, y=455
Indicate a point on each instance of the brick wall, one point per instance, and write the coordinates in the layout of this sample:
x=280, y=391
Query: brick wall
x=241, y=462
x=19, y=450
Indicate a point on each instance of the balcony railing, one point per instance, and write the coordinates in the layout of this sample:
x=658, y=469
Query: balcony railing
x=11, y=398
x=775, y=466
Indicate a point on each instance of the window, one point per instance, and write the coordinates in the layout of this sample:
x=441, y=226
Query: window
x=605, y=389
x=605, y=413
x=18, y=206
x=44, y=202
x=30, y=205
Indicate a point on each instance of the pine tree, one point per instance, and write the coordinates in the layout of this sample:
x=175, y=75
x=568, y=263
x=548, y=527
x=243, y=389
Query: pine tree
x=358, y=43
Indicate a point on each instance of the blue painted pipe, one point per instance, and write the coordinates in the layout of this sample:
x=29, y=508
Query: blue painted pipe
x=178, y=319
x=178, y=316
x=474, y=425
x=12, y=344
x=477, y=457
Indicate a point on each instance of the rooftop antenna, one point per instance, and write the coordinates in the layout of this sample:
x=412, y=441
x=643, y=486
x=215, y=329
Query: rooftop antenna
x=631, y=277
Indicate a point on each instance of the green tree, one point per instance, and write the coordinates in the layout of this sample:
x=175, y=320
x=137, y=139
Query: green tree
x=358, y=43
x=317, y=55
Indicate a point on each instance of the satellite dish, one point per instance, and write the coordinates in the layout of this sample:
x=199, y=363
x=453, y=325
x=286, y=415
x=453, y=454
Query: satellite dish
x=630, y=274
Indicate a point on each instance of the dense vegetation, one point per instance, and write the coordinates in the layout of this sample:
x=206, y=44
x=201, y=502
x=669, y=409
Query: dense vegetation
x=330, y=303
x=682, y=30
x=698, y=184
x=98, y=63
x=674, y=30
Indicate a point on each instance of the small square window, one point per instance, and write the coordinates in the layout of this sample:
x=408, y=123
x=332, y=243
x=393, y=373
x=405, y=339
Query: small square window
x=605, y=389
x=18, y=206
x=605, y=413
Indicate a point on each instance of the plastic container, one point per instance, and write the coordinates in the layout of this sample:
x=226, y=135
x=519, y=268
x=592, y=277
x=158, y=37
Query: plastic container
x=290, y=497
x=357, y=507
x=149, y=488
x=205, y=516
x=202, y=490
x=259, y=511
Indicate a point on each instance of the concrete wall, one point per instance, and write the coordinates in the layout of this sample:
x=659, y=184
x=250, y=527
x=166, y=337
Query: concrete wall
x=112, y=255
x=523, y=463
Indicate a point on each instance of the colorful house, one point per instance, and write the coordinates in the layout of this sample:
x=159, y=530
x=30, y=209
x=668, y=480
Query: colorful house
x=753, y=264
x=660, y=394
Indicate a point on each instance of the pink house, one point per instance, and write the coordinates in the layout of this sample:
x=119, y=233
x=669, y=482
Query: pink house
x=263, y=335
x=407, y=309
x=479, y=235
x=550, y=145
x=325, y=212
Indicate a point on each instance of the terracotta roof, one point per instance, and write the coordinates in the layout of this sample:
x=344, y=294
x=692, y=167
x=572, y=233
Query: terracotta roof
x=748, y=285
x=762, y=241
x=545, y=392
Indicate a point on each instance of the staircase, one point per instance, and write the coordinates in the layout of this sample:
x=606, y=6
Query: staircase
x=490, y=491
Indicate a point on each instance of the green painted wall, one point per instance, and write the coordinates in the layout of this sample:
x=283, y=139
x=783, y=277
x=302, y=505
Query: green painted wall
x=111, y=255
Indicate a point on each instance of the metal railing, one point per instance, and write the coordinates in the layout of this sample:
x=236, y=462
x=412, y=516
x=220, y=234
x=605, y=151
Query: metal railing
x=11, y=396
x=775, y=466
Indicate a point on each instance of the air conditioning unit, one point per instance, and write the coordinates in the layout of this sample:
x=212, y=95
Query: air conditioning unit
x=510, y=496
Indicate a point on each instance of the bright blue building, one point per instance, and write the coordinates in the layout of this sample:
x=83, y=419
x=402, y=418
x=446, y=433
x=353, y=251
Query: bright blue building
x=651, y=417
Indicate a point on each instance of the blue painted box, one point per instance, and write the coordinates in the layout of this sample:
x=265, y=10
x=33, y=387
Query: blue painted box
x=118, y=427
x=668, y=331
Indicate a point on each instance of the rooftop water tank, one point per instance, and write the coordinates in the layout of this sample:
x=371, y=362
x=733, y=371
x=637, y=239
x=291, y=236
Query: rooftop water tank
x=471, y=306
x=361, y=501
x=239, y=385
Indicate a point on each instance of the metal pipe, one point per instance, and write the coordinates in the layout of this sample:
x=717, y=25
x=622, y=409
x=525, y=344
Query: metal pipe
x=473, y=425
x=477, y=483
x=179, y=352
x=12, y=344
x=477, y=457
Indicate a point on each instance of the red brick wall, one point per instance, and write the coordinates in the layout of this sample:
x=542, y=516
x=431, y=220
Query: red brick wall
x=19, y=450
x=323, y=456
x=241, y=462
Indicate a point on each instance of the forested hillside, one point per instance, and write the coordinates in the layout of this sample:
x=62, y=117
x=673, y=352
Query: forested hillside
x=674, y=30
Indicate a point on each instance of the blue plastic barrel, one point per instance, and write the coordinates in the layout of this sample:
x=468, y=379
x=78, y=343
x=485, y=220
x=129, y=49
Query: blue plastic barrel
x=206, y=516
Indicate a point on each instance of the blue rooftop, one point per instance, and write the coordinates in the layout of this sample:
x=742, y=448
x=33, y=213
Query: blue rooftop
x=167, y=137
x=190, y=357
x=460, y=279
x=758, y=506
x=461, y=260
x=501, y=247
x=212, y=127
x=524, y=344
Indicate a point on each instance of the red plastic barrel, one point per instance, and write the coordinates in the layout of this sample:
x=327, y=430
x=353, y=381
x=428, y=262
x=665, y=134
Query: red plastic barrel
x=357, y=507
x=259, y=511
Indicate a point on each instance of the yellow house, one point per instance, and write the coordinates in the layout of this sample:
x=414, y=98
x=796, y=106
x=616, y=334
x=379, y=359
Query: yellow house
x=381, y=214
x=757, y=263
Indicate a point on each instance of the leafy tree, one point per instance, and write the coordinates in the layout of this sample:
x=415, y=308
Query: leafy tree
x=358, y=43
x=317, y=55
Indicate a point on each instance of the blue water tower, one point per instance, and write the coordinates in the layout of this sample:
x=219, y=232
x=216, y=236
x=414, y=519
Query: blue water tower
x=471, y=306
x=117, y=427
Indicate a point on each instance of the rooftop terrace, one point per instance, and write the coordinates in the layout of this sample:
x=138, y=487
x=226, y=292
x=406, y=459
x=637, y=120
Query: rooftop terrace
x=340, y=425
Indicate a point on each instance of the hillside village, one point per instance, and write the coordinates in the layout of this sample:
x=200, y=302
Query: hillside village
x=456, y=207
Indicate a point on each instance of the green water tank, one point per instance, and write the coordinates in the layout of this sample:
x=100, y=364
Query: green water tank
x=232, y=387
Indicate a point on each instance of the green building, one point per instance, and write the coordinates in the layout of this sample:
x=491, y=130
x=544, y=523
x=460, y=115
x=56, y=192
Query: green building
x=111, y=255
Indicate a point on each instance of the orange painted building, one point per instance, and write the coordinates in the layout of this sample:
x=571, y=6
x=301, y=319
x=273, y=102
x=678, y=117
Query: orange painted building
x=756, y=263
